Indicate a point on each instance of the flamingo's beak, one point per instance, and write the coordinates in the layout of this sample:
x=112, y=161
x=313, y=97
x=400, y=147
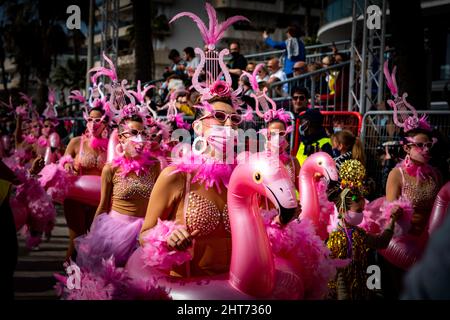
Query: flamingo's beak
x=282, y=194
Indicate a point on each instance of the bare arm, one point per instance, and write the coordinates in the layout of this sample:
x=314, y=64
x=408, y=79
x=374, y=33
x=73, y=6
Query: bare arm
x=297, y=173
x=165, y=196
x=73, y=147
x=394, y=185
x=106, y=192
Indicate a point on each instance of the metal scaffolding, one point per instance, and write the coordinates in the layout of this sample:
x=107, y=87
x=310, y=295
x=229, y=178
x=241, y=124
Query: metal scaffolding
x=366, y=81
x=109, y=12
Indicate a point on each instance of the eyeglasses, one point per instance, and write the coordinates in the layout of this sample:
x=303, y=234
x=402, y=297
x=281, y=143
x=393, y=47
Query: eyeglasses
x=135, y=132
x=95, y=120
x=223, y=116
x=279, y=133
x=421, y=145
x=299, y=97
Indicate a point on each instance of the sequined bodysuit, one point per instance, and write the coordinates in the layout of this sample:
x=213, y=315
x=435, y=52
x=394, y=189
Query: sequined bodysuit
x=86, y=161
x=352, y=279
x=131, y=193
x=422, y=195
x=212, y=246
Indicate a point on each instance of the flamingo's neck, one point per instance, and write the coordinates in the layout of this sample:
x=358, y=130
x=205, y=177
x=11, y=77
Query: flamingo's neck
x=252, y=268
x=308, y=198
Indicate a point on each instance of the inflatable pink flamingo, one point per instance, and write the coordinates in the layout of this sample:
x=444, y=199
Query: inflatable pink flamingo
x=254, y=273
x=322, y=164
x=404, y=251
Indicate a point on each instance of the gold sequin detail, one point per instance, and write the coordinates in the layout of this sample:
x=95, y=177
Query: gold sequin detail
x=131, y=186
x=422, y=194
x=203, y=215
x=355, y=276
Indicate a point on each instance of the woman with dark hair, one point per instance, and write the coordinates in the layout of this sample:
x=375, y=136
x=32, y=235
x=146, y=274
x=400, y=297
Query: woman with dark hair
x=126, y=186
x=85, y=155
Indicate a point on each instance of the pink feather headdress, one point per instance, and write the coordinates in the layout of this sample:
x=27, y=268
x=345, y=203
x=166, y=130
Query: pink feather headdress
x=172, y=112
x=399, y=104
x=28, y=111
x=269, y=110
x=211, y=60
x=50, y=112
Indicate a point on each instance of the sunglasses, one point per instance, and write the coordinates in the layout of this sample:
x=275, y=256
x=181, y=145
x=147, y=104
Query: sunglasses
x=48, y=126
x=223, y=117
x=421, y=145
x=300, y=97
x=35, y=126
x=95, y=120
x=299, y=69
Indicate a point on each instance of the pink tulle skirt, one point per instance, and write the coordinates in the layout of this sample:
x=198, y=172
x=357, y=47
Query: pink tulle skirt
x=112, y=234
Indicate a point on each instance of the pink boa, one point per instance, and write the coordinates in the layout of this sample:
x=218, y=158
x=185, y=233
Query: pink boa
x=56, y=181
x=137, y=165
x=111, y=284
x=30, y=139
x=42, y=142
x=41, y=213
x=421, y=172
x=207, y=170
x=378, y=215
x=98, y=143
x=297, y=242
x=156, y=253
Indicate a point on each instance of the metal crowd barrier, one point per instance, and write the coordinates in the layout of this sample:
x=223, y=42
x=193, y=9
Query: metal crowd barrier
x=347, y=120
x=378, y=128
x=330, y=97
x=314, y=55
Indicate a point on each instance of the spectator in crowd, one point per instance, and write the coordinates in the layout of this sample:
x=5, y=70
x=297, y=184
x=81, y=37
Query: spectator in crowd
x=299, y=68
x=295, y=48
x=300, y=96
x=178, y=65
x=237, y=63
x=277, y=74
x=182, y=103
x=247, y=91
x=312, y=135
x=317, y=83
x=262, y=77
x=250, y=67
x=192, y=61
x=346, y=146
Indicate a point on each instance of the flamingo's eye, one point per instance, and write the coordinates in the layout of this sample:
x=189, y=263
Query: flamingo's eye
x=320, y=163
x=257, y=177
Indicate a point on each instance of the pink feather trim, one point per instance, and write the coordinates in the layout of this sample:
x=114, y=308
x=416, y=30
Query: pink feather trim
x=205, y=169
x=403, y=224
x=297, y=242
x=138, y=165
x=111, y=283
x=55, y=180
x=156, y=253
x=42, y=142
